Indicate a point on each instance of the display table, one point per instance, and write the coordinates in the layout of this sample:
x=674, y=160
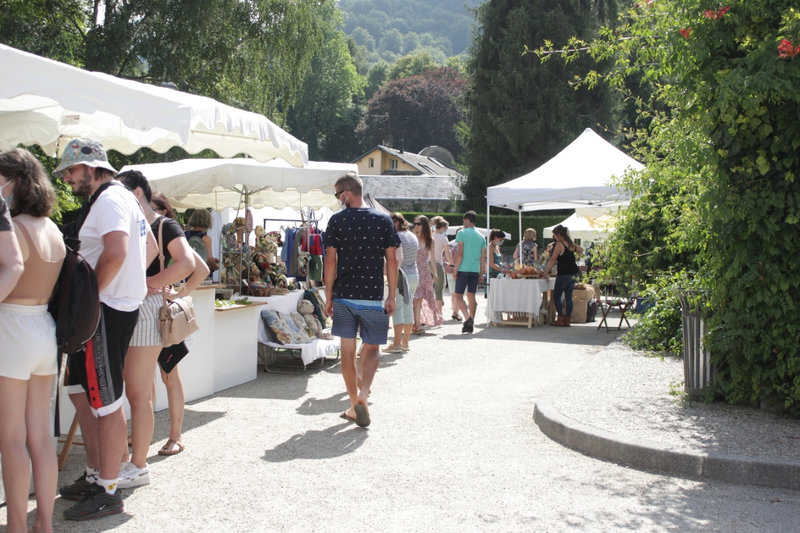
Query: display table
x=516, y=302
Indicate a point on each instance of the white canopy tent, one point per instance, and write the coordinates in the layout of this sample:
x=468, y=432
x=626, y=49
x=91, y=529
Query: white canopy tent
x=235, y=183
x=586, y=226
x=48, y=103
x=579, y=176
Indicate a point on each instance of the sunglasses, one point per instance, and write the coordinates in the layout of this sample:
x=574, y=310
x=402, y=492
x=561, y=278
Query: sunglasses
x=417, y=223
x=340, y=193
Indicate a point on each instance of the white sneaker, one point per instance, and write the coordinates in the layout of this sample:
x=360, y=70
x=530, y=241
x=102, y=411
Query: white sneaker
x=132, y=476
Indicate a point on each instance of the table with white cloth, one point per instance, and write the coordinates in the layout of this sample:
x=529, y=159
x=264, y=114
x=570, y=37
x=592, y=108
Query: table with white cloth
x=517, y=302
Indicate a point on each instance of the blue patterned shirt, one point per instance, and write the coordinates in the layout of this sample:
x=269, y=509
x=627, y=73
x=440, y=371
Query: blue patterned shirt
x=361, y=236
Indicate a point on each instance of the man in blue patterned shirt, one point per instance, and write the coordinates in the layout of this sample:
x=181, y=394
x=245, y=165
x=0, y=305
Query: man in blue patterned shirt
x=360, y=245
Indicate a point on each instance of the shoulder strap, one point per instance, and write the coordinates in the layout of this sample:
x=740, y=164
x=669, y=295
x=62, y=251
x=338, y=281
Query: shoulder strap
x=161, y=257
x=88, y=205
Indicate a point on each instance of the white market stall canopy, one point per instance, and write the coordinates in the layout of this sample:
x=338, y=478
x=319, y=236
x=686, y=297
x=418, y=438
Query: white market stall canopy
x=586, y=227
x=237, y=183
x=579, y=175
x=48, y=103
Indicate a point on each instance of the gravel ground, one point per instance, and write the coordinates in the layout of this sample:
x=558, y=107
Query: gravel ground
x=452, y=447
x=629, y=393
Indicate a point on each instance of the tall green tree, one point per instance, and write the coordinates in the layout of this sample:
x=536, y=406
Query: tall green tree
x=721, y=126
x=49, y=28
x=520, y=111
x=253, y=54
x=326, y=112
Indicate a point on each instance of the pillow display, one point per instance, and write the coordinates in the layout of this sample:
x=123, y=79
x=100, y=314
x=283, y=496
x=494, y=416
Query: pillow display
x=319, y=305
x=277, y=324
x=298, y=326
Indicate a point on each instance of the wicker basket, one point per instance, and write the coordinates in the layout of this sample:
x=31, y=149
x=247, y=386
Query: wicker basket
x=258, y=288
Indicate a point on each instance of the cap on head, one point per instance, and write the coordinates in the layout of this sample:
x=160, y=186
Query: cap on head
x=83, y=151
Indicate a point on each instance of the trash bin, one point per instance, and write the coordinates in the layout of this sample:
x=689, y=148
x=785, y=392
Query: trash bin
x=698, y=373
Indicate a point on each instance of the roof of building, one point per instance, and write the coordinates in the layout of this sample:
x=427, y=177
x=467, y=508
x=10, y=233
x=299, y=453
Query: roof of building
x=425, y=165
x=412, y=187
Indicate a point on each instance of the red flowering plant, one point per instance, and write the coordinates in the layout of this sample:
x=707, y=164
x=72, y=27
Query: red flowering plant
x=718, y=14
x=786, y=49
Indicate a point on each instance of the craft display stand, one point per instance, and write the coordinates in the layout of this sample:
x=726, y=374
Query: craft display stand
x=322, y=350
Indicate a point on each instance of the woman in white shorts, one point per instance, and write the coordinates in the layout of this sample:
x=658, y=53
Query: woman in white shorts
x=28, y=349
x=146, y=344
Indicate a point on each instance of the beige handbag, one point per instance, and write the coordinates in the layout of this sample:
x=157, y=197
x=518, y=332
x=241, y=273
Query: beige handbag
x=177, y=319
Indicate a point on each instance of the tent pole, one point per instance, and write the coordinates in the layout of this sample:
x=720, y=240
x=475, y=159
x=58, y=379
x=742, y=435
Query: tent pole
x=519, y=223
x=488, y=233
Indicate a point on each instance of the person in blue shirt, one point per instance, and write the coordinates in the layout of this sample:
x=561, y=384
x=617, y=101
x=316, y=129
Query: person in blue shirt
x=359, y=240
x=469, y=269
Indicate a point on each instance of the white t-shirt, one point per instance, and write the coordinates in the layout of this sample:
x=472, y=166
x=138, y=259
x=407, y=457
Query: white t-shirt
x=116, y=209
x=439, y=242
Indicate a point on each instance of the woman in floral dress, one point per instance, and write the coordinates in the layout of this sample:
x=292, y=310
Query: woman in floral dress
x=425, y=309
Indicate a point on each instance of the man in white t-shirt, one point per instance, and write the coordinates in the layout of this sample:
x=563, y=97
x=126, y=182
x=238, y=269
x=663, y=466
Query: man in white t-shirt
x=117, y=241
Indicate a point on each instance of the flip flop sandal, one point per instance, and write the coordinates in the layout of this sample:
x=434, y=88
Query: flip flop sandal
x=362, y=415
x=345, y=417
x=168, y=449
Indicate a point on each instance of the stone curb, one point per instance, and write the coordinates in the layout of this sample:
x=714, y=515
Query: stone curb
x=645, y=455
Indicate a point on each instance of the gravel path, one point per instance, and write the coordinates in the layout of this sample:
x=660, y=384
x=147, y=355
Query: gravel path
x=452, y=447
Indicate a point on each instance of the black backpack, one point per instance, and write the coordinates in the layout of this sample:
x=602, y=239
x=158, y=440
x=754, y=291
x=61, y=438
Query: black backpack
x=75, y=304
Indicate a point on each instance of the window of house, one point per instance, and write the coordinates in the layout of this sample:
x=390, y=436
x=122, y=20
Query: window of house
x=371, y=163
x=393, y=164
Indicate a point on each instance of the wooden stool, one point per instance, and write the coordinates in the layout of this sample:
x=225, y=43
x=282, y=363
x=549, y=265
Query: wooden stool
x=68, y=442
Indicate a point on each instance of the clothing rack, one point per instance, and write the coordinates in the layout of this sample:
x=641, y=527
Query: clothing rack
x=303, y=222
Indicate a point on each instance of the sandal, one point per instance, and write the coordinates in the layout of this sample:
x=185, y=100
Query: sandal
x=456, y=317
x=172, y=447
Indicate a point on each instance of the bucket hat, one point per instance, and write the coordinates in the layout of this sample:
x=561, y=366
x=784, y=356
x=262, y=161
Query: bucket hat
x=83, y=151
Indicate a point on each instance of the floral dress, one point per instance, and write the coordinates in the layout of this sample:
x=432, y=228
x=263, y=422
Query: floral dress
x=429, y=312
x=526, y=249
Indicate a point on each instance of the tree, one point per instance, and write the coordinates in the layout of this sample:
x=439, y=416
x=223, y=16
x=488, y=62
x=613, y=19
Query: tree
x=418, y=111
x=48, y=28
x=377, y=75
x=251, y=54
x=722, y=131
x=325, y=114
x=521, y=111
x=411, y=65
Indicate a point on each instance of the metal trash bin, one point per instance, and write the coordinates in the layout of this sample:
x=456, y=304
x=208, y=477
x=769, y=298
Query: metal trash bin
x=698, y=372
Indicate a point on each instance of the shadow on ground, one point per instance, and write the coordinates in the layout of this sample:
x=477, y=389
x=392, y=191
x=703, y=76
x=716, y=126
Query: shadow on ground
x=335, y=441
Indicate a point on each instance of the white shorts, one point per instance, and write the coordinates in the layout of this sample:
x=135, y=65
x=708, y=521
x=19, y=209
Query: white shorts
x=29, y=346
x=147, y=331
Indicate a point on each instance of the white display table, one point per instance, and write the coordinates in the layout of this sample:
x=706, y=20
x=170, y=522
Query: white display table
x=519, y=298
x=222, y=354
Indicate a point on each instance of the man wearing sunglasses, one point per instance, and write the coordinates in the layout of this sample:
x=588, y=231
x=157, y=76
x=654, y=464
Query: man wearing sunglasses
x=358, y=241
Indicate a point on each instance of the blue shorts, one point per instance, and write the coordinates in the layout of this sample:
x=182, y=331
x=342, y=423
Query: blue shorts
x=468, y=281
x=373, y=322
